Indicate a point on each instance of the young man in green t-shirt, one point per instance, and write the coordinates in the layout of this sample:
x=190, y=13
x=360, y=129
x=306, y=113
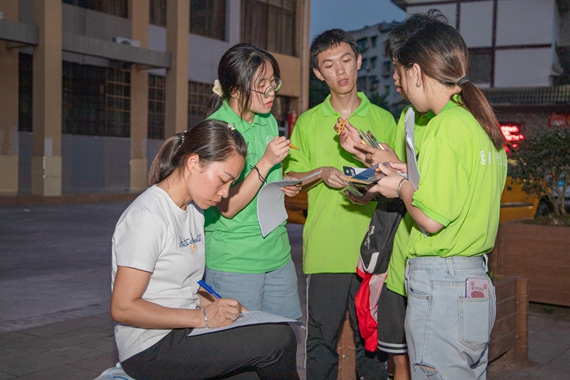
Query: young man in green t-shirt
x=335, y=223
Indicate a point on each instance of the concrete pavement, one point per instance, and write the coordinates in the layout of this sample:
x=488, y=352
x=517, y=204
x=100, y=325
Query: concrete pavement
x=55, y=289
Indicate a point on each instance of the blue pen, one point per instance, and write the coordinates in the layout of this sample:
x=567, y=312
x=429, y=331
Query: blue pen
x=209, y=289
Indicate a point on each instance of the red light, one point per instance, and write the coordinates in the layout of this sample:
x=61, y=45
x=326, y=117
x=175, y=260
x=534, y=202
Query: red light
x=512, y=133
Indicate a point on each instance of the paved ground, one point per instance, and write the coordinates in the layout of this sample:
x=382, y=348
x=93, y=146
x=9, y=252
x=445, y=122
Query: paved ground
x=54, y=295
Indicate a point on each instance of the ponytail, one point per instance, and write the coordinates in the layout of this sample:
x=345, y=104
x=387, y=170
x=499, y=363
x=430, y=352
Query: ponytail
x=214, y=104
x=476, y=103
x=211, y=140
x=216, y=99
x=442, y=54
x=162, y=165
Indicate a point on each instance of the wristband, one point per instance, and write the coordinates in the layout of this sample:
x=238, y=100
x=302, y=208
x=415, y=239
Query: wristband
x=205, y=317
x=261, y=178
x=400, y=188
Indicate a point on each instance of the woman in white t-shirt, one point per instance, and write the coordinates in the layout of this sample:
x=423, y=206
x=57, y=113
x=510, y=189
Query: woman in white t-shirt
x=158, y=257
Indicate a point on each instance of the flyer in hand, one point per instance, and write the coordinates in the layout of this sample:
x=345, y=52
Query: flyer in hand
x=369, y=139
x=359, y=179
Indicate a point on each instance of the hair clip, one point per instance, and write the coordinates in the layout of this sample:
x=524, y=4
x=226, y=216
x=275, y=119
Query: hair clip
x=217, y=89
x=232, y=127
x=182, y=135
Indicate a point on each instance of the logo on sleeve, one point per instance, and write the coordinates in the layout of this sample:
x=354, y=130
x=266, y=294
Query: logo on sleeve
x=268, y=139
x=487, y=158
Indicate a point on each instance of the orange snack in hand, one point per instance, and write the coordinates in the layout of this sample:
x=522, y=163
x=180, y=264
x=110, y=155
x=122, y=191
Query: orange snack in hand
x=341, y=125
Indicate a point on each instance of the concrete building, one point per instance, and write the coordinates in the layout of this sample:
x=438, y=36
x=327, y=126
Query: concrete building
x=519, y=55
x=375, y=74
x=89, y=89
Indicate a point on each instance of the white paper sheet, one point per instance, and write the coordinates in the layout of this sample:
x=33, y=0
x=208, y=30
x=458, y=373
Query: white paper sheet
x=249, y=318
x=412, y=163
x=271, y=204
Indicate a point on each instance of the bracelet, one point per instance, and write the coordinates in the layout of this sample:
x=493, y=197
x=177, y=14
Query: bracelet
x=400, y=188
x=205, y=318
x=261, y=178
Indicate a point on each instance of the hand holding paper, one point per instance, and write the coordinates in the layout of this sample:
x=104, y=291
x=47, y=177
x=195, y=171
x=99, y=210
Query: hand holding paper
x=271, y=203
x=291, y=190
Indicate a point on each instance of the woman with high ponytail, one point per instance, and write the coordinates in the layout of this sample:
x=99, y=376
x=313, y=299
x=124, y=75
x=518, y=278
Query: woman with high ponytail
x=455, y=206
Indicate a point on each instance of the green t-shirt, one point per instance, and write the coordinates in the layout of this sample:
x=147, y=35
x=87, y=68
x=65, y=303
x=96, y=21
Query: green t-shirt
x=236, y=244
x=462, y=176
x=335, y=227
x=395, y=280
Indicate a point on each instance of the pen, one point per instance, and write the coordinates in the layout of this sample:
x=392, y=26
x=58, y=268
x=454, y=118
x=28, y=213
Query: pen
x=209, y=289
x=293, y=146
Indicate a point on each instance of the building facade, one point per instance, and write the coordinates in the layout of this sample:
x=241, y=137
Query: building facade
x=375, y=74
x=89, y=89
x=519, y=55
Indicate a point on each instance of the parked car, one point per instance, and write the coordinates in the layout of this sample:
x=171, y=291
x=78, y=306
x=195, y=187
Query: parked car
x=515, y=203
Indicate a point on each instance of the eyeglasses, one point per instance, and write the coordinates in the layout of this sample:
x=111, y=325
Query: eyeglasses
x=271, y=90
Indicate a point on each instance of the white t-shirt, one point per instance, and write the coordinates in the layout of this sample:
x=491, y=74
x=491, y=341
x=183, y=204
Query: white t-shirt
x=156, y=236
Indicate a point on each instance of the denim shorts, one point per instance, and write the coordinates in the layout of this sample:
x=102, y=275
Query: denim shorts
x=275, y=292
x=448, y=333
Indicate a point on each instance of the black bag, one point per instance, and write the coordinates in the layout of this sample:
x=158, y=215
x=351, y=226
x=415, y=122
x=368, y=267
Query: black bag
x=376, y=248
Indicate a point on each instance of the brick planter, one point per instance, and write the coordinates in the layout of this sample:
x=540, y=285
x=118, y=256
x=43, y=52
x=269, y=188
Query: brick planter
x=539, y=253
x=510, y=332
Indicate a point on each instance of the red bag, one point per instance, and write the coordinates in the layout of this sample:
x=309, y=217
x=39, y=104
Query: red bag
x=367, y=305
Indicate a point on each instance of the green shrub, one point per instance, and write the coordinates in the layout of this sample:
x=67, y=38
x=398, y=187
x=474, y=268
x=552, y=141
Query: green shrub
x=542, y=163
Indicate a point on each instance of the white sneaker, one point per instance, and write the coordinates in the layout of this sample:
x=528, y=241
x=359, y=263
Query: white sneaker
x=115, y=373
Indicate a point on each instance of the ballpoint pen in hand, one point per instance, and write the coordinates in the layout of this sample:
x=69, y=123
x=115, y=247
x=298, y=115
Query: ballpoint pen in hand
x=209, y=289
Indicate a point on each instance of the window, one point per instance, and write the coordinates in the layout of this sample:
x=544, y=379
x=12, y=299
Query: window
x=373, y=62
x=364, y=65
x=117, y=102
x=374, y=82
x=480, y=66
x=156, y=106
x=386, y=69
x=96, y=100
x=270, y=24
x=198, y=97
x=361, y=84
x=157, y=11
x=208, y=18
x=83, y=99
x=26, y=63
x=362, y=44
x=374, y=41
x=118, y=8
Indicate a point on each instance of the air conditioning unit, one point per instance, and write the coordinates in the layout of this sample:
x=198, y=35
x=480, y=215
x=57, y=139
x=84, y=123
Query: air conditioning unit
x=126, y=41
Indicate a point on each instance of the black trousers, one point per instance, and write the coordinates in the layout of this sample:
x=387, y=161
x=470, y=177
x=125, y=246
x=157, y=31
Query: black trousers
x=266, y=351
x=329, y=295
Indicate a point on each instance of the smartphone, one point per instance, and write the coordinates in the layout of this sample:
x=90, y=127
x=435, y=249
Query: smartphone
x=476, y=288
